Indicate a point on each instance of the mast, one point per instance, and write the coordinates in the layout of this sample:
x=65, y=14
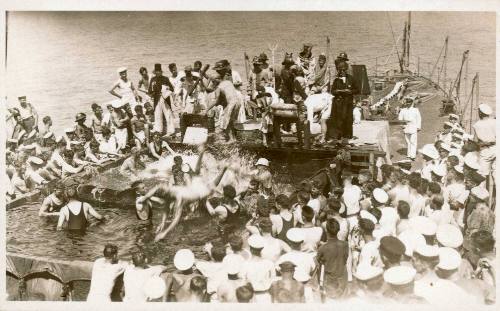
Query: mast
x=403, y=59
x=445, y=58
x=408, y=34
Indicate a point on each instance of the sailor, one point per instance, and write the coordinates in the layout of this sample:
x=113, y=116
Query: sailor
x=226, y=292
x=369, y=254
x=259, y=272
x=400, y=191
x=343, y=88
x=389, y=217
x=333, y=256
x=53, y=203
x=446, y=134
x=27, y=114
x=369, y=282
x=438, y=173
x=424, y=226
x=304, y=262
x=104, y=274
x=425, y=258
x=401, y=285
x=455, y=120
x=126, y=89
x=288, y=289
x=430, y=156
x=136, y=275
x=178, y=283
x=227, y=209
x=32, y=171
x=481, y=253
x=81, y=130
x=411, y=115
x=143, y=85
x=411, y=240
x=97, y=121
x=391, y=251
x=481, y=217
x=350, y=197
x=121, y=122
x=75, y=213
x=484, y=135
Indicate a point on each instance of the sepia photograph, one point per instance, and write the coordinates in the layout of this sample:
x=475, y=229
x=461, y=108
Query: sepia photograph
x=317, y=157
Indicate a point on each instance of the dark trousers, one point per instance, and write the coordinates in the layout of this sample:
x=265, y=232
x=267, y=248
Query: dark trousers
x=341, y=120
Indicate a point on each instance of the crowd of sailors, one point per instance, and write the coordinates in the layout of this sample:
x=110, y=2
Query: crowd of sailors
x=399, y=234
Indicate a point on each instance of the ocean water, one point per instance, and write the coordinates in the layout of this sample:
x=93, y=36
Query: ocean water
x=64, y=61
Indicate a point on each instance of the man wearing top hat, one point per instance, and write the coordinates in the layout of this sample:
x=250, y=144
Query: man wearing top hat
x=343, y=88
x=484, y=133
x=156, y=83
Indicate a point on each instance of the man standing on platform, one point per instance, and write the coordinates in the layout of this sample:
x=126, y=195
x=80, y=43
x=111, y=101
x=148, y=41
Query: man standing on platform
x=343, y=88
x=484, y=134
x=156, y=83
x=411, y=115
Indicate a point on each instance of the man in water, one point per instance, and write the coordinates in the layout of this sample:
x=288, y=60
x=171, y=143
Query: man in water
x=53, y=203
x=132, y=164
x=104, y=273
x=136, y=275
x=143, y=205
x=75, y=213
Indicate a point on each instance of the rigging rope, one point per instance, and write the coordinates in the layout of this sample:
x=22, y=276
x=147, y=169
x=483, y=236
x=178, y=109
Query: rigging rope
x=393, y=37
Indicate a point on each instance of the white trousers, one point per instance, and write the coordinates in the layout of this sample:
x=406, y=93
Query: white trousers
x=164, y=118
x=121, y=137
x=487, y=160
x=411, y=143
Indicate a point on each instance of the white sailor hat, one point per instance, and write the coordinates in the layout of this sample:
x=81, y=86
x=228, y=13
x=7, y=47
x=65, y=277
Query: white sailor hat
x=48, y=135
x=411, y=239
x=121, y=69
x=256, y=241
x=448, y=124
x=32, y=134
x=154, y=287
x=117, y=104
x=427, y=251
x=262, y=161
x=399, y=275
x=453, y=116
x=471, y=161
x=380, y=195
x=35, y=160
x=69, y=130
x=295, y=235
x=301, y=276
x=185, y=168
x=457, y=136
x=449, y=235
x=459, y=169
x=445, y=147
x=232, y=265
x=430, y=151
x=449, y=259
x=423, y=225
x=439, y=170
x=184, y=259
x=480, y=192
x=367, y=215
x=366, y=272
x=486, y=109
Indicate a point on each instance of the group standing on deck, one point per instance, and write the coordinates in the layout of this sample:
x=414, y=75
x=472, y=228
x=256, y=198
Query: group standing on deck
x=403, y=235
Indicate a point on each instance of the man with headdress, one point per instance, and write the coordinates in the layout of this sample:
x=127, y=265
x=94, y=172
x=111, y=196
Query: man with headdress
x=258, y=77
x=321, y=77
x=266, y=69
x=343, y=88
x=306, y=61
